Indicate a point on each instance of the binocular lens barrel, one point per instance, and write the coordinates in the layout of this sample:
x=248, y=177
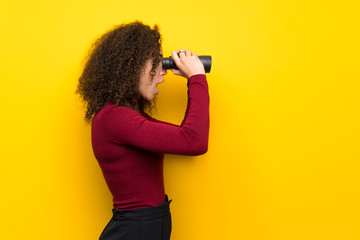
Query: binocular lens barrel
x=168, y=63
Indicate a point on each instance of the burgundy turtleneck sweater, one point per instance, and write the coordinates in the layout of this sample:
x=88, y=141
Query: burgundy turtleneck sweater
x=130, y=147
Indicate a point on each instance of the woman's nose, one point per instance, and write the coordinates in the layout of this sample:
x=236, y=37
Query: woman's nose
x=163, y=72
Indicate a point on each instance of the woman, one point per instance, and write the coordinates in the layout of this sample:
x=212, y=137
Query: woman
x=117, y=85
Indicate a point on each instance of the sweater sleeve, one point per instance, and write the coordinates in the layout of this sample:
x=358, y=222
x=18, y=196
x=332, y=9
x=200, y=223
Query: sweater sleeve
x=123, y=125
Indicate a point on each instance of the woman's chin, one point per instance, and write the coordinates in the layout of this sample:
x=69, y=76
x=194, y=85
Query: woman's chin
x=150, y=98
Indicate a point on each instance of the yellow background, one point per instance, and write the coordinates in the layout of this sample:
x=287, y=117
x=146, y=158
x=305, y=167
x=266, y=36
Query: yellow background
x=283, y=159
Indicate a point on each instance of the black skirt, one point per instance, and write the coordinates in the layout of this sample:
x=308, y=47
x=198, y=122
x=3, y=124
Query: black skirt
x=152, y=223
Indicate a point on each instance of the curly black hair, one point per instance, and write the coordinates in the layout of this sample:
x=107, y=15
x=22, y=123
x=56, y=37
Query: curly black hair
x=113, y=66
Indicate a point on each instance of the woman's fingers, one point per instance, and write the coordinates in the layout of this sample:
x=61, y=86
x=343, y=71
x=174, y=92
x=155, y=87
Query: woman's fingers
x=188, y=63
x=182, y=53
x=176, y=58
x=177, y=72
x=175, y=55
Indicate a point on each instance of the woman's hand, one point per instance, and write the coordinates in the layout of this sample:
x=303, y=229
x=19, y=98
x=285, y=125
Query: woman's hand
x=188, y=63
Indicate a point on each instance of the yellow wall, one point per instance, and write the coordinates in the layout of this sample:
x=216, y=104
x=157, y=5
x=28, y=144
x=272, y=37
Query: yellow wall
x=283, y=159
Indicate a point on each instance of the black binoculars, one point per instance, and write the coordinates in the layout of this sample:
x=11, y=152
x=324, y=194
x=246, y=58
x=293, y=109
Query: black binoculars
x=168, y=63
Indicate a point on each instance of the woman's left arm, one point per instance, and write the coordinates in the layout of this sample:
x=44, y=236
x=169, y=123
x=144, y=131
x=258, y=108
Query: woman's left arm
x=123, y=125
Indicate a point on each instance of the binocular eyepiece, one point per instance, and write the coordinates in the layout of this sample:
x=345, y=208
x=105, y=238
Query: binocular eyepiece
x=168, y=63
